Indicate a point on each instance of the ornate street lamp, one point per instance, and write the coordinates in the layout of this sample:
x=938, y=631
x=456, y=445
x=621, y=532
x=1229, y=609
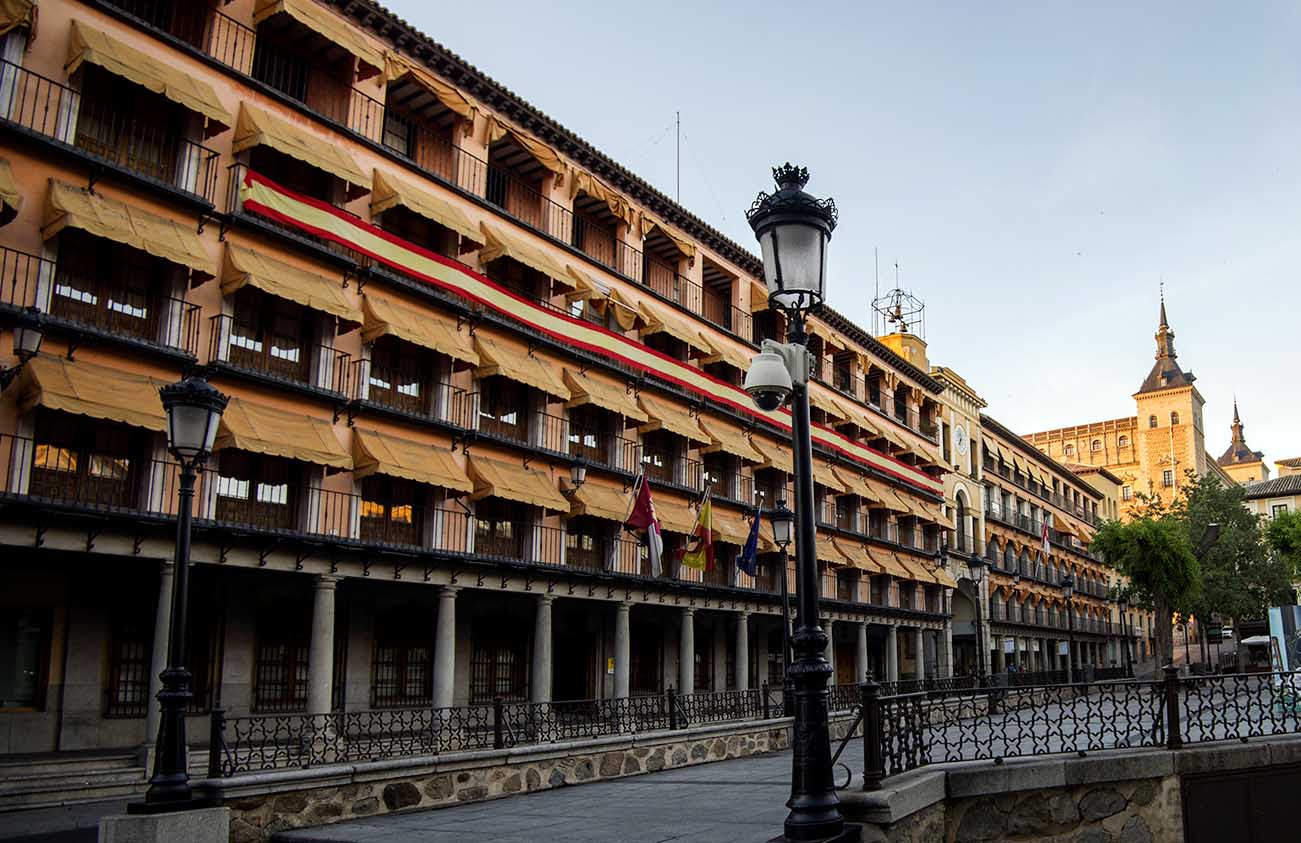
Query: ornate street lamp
x=193, y=409
x=976, y=566
x=783, y=523
x=28, y=335
x=1068, y=592
x=578, y=473
x=1123, y=603
x=793, y=229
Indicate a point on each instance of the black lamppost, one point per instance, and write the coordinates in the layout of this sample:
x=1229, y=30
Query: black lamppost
x=193, y=410
x=976, y=565
x=783, y=522
x=28, y=334
x=1123, y=603
x=1068, y=592
x=793, y=229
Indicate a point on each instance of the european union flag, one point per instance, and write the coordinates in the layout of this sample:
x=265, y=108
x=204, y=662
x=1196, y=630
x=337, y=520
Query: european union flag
x=748, y=559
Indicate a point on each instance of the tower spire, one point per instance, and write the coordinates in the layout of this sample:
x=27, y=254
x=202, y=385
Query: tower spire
x=1237, y=424
x=1164, y=323
x=1165, y=338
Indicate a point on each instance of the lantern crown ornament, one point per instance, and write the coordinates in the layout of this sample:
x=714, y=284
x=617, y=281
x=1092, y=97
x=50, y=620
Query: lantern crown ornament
x=793, y=229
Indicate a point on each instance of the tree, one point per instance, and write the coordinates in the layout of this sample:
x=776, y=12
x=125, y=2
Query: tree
x=1157, y=557
x=1283, y=534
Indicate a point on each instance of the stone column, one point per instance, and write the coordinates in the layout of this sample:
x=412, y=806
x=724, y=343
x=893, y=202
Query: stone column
x=158, y=655
x=445, y=648
x=622, y=650
x=1000, y=661
x=743, y=651
x=320, y=654
x=687, y=653
x=540, y=675
x=860, y=653
x=919, y=645
x=829, y=630
x=892, y=653
x=946, y=651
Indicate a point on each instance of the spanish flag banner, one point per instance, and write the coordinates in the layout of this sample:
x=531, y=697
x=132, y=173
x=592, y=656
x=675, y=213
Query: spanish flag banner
x=699, y=550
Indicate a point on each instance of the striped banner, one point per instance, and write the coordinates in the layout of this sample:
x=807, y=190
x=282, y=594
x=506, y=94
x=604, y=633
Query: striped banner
x=263, y=196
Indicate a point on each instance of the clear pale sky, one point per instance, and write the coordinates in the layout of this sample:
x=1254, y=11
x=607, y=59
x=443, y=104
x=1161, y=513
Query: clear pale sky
x=1034, y=168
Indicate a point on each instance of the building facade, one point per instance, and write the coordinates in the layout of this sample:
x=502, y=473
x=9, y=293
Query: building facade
x=429, y=304
x=1272, y=498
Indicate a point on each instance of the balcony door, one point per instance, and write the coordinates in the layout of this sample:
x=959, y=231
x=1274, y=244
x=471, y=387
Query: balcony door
x=257, y=491
x=79, y=460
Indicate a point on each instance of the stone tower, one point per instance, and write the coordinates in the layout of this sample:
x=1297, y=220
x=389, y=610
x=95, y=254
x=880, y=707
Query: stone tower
x=1240, y=462
x=1169, y=414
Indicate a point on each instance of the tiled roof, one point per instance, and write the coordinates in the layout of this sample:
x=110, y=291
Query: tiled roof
x=1239, y=453
x=1166, y=374
x=1290, y=462
x=1278, y=487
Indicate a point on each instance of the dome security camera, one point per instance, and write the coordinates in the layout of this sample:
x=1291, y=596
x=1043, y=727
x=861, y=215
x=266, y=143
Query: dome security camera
x=768, y=381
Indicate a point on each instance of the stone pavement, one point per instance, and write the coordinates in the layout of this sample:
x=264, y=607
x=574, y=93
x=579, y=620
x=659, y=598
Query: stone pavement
x=738, y=800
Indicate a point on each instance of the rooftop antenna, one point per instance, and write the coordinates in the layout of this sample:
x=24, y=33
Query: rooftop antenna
x=876, y=273
x=900, y=311
x=677, y=125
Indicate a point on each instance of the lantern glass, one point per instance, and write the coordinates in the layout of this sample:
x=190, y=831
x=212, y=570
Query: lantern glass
x=782, y=522
x=194, y=410
x=1068, y=586
x=578, y=473
x=794, y=262
x=27, y=341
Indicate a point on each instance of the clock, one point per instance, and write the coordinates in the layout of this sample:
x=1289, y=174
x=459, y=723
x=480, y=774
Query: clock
x=960, y=440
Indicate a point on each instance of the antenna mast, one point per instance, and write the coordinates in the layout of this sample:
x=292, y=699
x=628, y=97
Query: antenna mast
x=677, y=125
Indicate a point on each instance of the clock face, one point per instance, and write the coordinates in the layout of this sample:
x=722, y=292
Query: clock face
x=960, y=439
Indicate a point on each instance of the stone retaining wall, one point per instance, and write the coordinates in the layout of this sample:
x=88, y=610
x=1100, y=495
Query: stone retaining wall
x=264, y=803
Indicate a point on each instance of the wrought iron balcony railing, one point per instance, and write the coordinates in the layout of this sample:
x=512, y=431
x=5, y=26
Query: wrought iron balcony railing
x=283, y=358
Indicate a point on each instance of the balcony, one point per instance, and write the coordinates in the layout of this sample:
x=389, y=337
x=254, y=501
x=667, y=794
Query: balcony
x=285, y=359
x=101, y=132
x=93, y=305
x=411, y=395
x=682, y=472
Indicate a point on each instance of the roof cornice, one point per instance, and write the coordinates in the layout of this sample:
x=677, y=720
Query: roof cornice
x=1034, y=453
x=841, y=323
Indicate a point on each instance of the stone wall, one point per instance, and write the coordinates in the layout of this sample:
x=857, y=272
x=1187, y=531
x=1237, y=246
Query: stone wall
x=263, y=804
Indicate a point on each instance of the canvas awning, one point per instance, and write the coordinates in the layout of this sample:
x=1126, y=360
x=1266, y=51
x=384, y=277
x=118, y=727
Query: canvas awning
x=87, y=389
x=826, y=404
x=675, y=517
x=521, y=367
x=543, y=154
x=991, y=449
x=775, y=455
x=11, y=201
x=944, y=578
x=724, y=353
x=731, y=441
x=829, y=553
x=513, y=482
x=425, y=328
x=758, y=296
x=887, y=563
x=857, y=555
x=255, y=127
x=824, y=476
x=397, y=67
x=660, y=319
x=859, y=416
x=731, y=527
x=628, y=315
x=887, y=498
x=677, y=238
x=247, y=268
x=855, y=483
x=500, y=243
x=584, y=182
x=672, y=418
x=606, y=502
x=247, y=426
x=916, y=570
x=93, y=213
x=15, y=14
x=88, y=45
x=587, y=388
x=388, y=191
x=586, y=288
x=317, y=18
x=422, y=462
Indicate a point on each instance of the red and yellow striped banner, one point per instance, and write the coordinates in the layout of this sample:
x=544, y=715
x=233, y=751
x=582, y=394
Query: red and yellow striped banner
x=263, y=196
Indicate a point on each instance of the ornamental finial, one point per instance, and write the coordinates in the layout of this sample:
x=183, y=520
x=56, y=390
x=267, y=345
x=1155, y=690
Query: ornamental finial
x=789, y=175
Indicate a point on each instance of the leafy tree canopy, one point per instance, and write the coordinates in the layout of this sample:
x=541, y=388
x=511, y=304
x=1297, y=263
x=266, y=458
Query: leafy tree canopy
x=1284, y=536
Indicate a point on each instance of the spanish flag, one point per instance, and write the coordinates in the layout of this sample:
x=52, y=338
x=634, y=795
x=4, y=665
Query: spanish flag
x=699, y=550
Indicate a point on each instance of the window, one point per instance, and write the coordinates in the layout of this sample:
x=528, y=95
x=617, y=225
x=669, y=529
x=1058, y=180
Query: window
x=1068, y=449
x=24, y=656
x=499, y=661
x=108, y=286
x=499, y=528
x=1095, y=445
x=704, y=665
x=77, y=460
x=1278, y=509
x=1122, y=442
x=1174, y=418
x=280, y=660
x=397, y=378
x=390, y=511
x=586, y=543
x=502, y=408
x=271, y=335
x=126, y=693
x=400, y=674
x=1167, y=477
x=256, y=490
x=1151, y=421
x=1126, y=493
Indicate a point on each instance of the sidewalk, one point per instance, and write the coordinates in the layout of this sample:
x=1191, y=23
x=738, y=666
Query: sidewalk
x=738, y=800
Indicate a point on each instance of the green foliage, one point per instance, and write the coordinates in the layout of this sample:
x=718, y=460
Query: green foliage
x=1283, y=534
x=1155, y=555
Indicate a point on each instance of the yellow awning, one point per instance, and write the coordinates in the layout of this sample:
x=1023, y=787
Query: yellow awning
x=776, y=456
x=388, y=191
x=758, y=296
x=584, y=182
x=543, y=154
x=255, y=127
x=396, y=67
x=88, y=45
x=944, y=578
x=916, y=569
x=660, y=319
x=860, y=416
x=629, y=317
x=422, y=462
x=823, y=475
x=857, y=555
x=885, y=560
x=886, y=498
x=500, y=243
x=729, y=440
x=425, y=328
x=685, y=246
x=587, y=388
x=675, y=517
x=723, y=353
x=586, y=288
x=247, y=268
x=11, y=201
x=826, y=404
x=247, y=426
x=521, y=367
x=607, y=502
x=86, y=389
x=829, y=553
x=16, y=13
x=513, y=482
x=855, y=483
x=731, y=528
x=75, y=207
x=324, y=23
x=671, y=418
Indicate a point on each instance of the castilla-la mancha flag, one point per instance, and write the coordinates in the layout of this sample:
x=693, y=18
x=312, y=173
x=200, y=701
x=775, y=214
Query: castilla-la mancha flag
x=642, y=519
x=699, y=550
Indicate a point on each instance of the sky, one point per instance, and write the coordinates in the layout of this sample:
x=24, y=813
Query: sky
x=1035, y=170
